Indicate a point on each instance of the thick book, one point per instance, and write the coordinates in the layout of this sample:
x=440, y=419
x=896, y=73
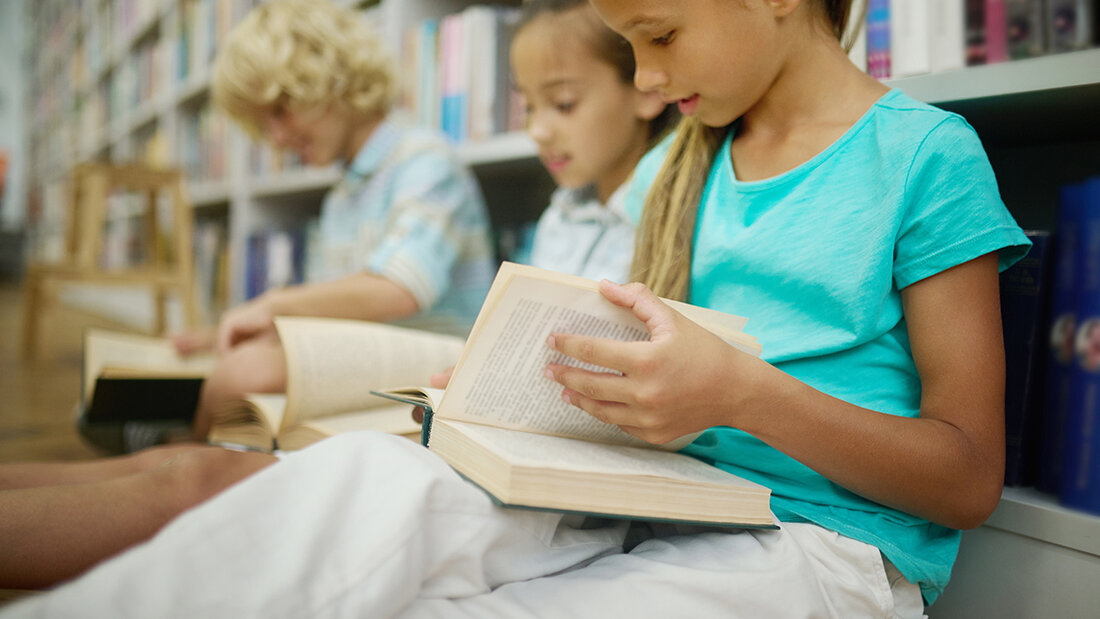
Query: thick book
x=1080, y=484
x=503, y=425
x=1025, y=305
x=332, y=366
x=136, y=386
x=131, y=377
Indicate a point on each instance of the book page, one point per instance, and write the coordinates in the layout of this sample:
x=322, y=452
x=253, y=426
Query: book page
x=499, y=379
x=251, y=421
x=146, y=356
x=333, y=364
x=391, y=419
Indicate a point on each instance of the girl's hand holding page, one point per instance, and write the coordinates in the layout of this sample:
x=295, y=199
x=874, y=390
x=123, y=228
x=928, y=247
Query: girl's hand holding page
x=253, y=319
x=679, y=382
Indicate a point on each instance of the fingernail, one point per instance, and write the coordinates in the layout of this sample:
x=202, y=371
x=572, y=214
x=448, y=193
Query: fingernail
x=565, y=398
x=548, y=374
x=551, y=342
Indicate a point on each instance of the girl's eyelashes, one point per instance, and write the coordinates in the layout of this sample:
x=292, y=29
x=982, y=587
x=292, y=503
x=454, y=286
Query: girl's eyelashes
x=566, y=107
x=664, y=39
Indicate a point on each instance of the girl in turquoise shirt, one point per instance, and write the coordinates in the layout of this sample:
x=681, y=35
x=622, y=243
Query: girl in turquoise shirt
x=861, y=232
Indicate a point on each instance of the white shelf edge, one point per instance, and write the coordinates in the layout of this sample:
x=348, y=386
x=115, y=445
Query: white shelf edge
x=191, y=87
x=1004, y=78
x=207, y=193
x=1028, y=512
x=511, y=146
x=293, y=181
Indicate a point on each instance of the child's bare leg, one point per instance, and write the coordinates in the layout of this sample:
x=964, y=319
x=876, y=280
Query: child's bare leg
x=53, y=533
x=256, y=366
x=16, y=475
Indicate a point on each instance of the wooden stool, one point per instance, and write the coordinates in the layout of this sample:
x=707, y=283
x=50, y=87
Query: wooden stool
x=163, y=268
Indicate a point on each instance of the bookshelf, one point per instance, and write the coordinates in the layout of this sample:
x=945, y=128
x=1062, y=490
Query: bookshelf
x=129, y=79
x=1032, y=558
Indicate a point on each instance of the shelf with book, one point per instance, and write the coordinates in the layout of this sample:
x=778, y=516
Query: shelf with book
x=1043, y=99
x=120, y=79
x=511, y=146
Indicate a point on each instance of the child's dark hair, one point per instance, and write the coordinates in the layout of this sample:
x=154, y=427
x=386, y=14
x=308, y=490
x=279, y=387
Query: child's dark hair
x=607, y=45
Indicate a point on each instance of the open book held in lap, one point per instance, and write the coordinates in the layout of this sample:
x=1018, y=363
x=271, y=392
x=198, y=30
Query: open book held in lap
x=332, y=365
x=502, y=424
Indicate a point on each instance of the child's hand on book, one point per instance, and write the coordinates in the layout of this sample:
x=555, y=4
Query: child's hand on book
x=684, y=380
x=188, y=343
x=245, y=322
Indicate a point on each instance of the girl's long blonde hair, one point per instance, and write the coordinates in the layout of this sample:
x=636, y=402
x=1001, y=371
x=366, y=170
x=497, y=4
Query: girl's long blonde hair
x=666, y=233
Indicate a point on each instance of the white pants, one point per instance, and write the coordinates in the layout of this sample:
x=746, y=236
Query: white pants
x=370, y=525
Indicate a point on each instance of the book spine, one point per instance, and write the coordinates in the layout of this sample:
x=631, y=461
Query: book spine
x=1070, y=24
x=1080, y=487
x=426, y=426
x=947, y=24
x=1025, y=34
x=1063, y=322
x=909, y=38
x=996, y=31
x=1024, y=309
x=975, y=32
x=878, y=38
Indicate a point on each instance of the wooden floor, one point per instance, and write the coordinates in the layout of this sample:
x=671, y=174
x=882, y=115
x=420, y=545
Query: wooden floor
x=37, y=399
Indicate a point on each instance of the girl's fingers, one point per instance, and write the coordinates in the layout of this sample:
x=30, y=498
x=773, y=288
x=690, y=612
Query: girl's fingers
x=614, y=413
x=611, y=354
x=598, y=386
x=639, y=299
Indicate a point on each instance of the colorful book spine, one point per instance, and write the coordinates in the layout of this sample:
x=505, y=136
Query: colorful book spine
x=878, y=38
x=996, y=31
x=1080, y=487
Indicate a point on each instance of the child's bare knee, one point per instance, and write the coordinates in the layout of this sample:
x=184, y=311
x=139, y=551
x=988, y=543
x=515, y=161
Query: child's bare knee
x=192, y=476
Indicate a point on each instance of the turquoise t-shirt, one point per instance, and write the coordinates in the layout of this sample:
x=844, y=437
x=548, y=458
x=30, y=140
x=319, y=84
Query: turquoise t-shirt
x=815, y=258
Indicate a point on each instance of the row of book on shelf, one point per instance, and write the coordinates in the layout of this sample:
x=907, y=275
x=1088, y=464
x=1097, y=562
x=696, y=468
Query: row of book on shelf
x=1050, y=306
x=912, y=37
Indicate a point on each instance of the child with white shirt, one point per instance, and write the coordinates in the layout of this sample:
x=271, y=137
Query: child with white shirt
x=591, y=125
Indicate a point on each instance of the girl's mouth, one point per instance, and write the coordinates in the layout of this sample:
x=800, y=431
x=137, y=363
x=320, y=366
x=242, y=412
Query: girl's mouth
x=556, y=164
x=687, y=106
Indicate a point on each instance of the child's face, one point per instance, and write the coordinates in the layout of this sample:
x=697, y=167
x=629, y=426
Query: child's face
x=591, y=127
x=319, y=135
x=714, y=58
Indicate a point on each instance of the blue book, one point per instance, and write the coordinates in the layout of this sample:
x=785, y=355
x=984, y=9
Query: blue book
x=1080, y=487
x=1063, y=322
x=1025, y=305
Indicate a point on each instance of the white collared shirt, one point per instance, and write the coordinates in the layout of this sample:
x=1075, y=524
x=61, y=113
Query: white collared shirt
x=580, y=236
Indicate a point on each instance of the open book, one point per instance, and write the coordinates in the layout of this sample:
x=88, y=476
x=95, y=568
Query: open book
x=130, y=377
x=332, y=366
x=502, y=424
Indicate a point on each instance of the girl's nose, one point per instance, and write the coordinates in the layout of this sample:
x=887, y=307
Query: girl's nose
x=538, y=128
x=647, y=79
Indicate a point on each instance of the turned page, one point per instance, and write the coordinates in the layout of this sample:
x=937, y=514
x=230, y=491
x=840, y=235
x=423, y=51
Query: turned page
x=333, y=364
x=499, y=380
x=140, y=355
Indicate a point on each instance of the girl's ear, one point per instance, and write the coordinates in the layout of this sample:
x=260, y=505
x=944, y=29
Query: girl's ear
x=648, y=105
